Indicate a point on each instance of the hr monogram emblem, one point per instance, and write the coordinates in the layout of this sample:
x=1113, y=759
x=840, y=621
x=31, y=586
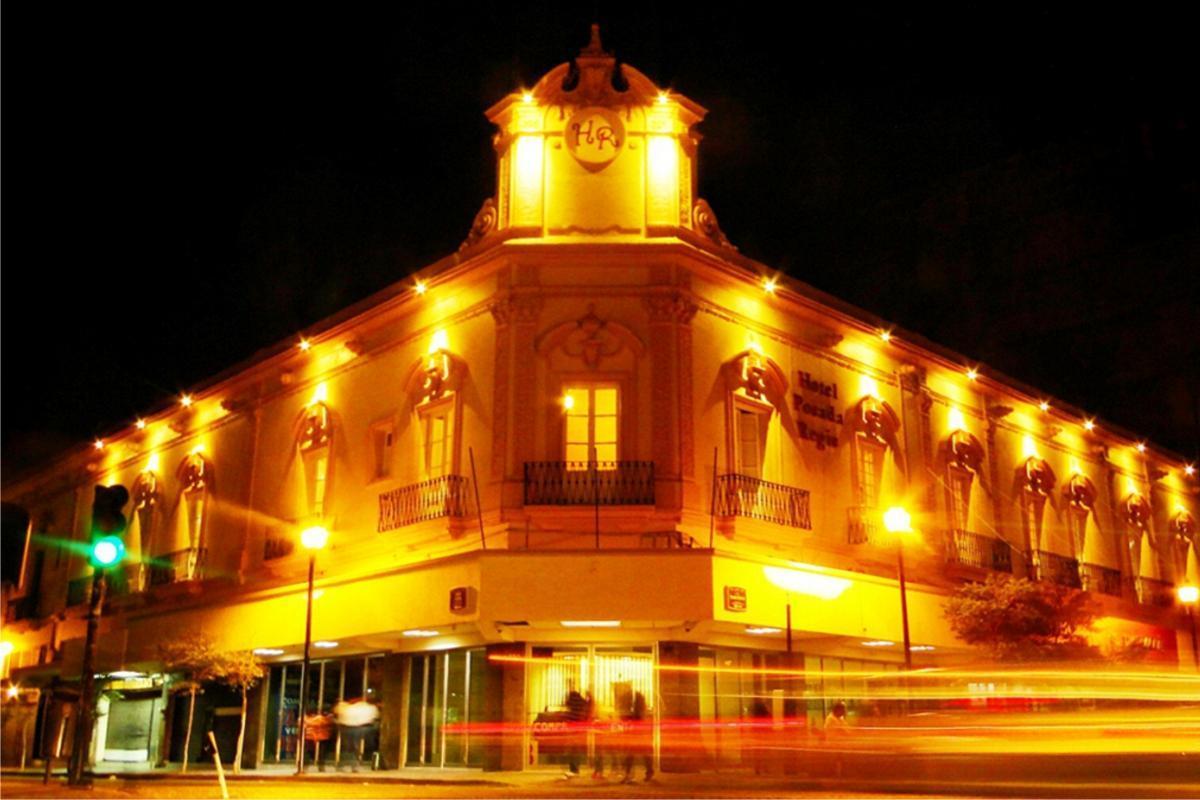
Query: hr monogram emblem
x=594, y=136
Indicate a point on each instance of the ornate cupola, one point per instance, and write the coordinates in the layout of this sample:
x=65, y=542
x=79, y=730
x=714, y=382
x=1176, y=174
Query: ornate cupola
x=594, y=151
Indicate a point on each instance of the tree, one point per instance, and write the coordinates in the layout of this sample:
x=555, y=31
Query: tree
x=240, y=670
x=194, y=655
x=1022, y=620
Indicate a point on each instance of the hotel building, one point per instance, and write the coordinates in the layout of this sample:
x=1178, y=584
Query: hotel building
x=595, y=447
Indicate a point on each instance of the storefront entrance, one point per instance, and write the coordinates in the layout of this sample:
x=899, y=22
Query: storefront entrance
x=332, y=681
x=610, y=676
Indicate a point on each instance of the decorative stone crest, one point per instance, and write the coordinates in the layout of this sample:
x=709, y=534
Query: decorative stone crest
x=590, y=339
x=1137, y=510
x=194, y=473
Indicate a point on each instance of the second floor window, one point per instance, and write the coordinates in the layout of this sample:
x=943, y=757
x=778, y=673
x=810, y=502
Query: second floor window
x=751, y=426
x=868, y=471
x=592, y=414
x=437, y=428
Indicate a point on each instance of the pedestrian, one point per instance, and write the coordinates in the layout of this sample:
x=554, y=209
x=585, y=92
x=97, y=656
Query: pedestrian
x=837, y=728
x=577, y=719
x=318, y=729
x=355, y=719
x=639, y=739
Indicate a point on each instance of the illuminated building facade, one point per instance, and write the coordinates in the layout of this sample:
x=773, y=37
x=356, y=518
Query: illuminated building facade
x=595, y=448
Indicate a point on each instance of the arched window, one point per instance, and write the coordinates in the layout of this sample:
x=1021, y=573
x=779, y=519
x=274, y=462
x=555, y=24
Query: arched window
x=1035, y=481
x=1137, y=516
x=316, y=436
x=1080, y=495
x=195, y=478
x=1183, y=533
x=140, y=538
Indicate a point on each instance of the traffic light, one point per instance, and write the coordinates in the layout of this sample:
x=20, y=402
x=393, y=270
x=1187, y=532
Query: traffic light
x=108, y=523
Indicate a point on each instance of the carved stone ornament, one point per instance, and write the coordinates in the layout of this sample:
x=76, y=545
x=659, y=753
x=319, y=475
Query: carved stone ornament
x=590, y=339
x=1183, y=525
x=145, y=490
x=484, y=223
x=704, y=219
x=1137, y=510
x=594, y=78
x=437, y=374
x=668, y=307
x=1080, y=492
x=1037, y=476
x=317, y=429
x=966, y=451
x=194, y=473
x=516, y=309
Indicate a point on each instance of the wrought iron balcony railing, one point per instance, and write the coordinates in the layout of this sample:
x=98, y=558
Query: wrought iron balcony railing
x=446, y=496
x=182, y=565
x=744, y=496
x=975, y=550
x=584, y=483
x=1153, y=592
x=1054, y=568
x=1102, y=580
x=864, y=525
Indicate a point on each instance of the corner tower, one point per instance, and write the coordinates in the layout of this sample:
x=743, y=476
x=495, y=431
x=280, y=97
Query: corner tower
x=594, y=151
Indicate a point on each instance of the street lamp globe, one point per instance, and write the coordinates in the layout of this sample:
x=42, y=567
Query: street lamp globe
x=1188, y=594
x=314, y=538
x=897, y=520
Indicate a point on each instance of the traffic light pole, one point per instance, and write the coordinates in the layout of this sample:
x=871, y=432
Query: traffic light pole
x=82, y=742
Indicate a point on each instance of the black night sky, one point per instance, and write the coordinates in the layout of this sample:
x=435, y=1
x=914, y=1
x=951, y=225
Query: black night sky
x=184, y=185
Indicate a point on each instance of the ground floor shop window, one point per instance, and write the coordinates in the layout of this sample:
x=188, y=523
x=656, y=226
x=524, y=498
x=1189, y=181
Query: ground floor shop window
x=445, y=700
x=607, y=680
x=332, y=681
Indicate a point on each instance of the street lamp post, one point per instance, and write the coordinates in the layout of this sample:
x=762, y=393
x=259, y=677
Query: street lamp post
x=313, y=539
x=899, y=522
x=1188, y=595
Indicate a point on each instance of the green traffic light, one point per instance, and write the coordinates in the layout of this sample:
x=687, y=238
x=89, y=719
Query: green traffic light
x=107, y=551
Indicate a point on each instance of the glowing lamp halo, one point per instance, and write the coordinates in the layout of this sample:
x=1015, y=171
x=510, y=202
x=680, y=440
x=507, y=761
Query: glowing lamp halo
x=1188, y=594
x=315, y=537
x=897, y=520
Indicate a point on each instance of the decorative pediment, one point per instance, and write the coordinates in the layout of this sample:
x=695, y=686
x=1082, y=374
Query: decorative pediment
x=759, y=378
x=316, y=427
x=1079, y=492
x=590, y=339
x=194, y=473
x=1183, y=525
x=434, y=376
x=963, y=451
x=1036, y=476
x=145, y=490
x=1137, y=510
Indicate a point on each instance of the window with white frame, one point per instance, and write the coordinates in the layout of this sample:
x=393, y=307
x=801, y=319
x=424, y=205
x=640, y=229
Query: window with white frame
x=750, y=439
x=592, y=419
x=437, y=431
x=383, y=437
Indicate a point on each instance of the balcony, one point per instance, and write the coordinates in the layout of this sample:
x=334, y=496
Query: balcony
x=278, y=547
x=182, y=565
x=1053, y=568
x=975, y=550
x=1153, y=592
x=1101, y=580
x=446, y=496
x=744, y=496
x=583, y=483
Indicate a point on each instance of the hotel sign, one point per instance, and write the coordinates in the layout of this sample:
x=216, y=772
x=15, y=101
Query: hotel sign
x=595, y=137
x=815, y=399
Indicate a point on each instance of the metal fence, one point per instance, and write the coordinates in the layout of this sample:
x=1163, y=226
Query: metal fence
x=446, y=496
x=583, y=483
x=744, y=496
